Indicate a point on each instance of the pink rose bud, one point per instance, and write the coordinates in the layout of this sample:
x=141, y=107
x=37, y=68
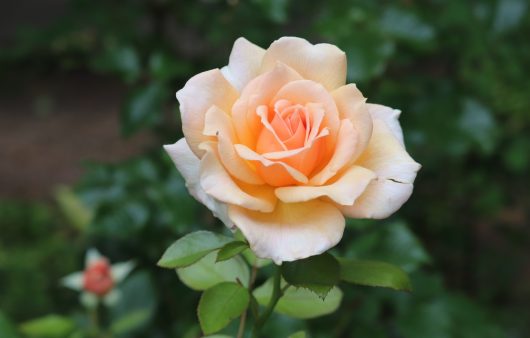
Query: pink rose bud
x=97, y=278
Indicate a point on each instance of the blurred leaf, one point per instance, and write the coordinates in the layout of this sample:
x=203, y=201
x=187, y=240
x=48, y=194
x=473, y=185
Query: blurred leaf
x=130, y=321
x=255, y=261
x=477, y=122
x=371, y=273
x=164, y=67
x=509, y=14
x=220, y=304
x=367, y=56
x=405, y=25
x=299, y=334
x=78, y=214
x=426, y=320
x=275, y=9
x=299, y=302
x=7, y=330
x=517, y=155
x=192, y=247
x=230, y=250
x=50, y=326
x=143, y=108
x=316, y=273
x=121, y=60
x=207, y=272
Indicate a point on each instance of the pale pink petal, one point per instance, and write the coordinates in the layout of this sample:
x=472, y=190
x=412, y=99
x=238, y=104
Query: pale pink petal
x=202, y=91
x=343, y=153
x=216, y=182
x=344, y=190
x=391, y=118
x=381, y=199
x=292, y=231
x=218, y=124
x=352, y=105
x=189, y=166
x=387, y=157
x=244, y=64
x=259, y=91
x=323, y=63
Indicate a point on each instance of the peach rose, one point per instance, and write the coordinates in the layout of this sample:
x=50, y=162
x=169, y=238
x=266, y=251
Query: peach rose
x=279, y=146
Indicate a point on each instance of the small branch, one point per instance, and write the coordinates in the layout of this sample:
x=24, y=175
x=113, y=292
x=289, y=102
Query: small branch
x=277, y=293
x=241, y=330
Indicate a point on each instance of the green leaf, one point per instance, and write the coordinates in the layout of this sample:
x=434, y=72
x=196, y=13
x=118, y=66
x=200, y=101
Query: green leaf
x=230, y=250
x=299, y=334
x=255, y=261
x=220, y=304
x=192, y=247
x=143, y=108
x=372, y=273
x=405, y=25
x=7, y=329
x=299, y=302
x=207, y=272
x=75, y=211
x=130, y=321
x=317, y=273
x=50, y=326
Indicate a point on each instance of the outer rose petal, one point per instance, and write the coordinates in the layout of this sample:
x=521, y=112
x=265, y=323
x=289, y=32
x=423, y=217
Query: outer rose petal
x=202, y=91
x=351, y=105
x=292, y=231
x=322, y=63
x=390, y=117
x=244, y=64
x=344, y=190
x=386, y=156
x=189, y=166
x=217, y=183
x=217, y=123
x=381, y=199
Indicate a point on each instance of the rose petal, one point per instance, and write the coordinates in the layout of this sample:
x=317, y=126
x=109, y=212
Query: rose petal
x=202, y=91
x=259, y=91
x=390, y=117
x=345, y=148
x=344, y=190
x=351, y=105
x=189, y=166
x=244, y=64
x=381, y=199
x=279, y=173
x=292, y=231
x=218, y=123
x=216, y=182
x=322, y=63
x=386, y=156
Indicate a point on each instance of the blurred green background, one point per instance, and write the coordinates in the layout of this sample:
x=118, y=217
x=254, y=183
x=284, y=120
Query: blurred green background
x=87, y=99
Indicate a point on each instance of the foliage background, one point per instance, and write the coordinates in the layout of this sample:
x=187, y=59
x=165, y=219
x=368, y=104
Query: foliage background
x=457, y=69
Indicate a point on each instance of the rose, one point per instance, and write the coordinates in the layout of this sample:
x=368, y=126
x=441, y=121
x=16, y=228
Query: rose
x=97, y=277
x=278, y=146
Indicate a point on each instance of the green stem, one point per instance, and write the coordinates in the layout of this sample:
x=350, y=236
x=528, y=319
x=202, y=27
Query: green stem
x=277, y=293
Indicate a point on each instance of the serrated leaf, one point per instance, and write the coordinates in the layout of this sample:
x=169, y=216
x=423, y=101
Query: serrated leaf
x=373, y=273
x=50, y=326
x=207, y=272
x=220, y=304
x=299, y=302
x=317, y=273
x=192, y=247
x=230, y=250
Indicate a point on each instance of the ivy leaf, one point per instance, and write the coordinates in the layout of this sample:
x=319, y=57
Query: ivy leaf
x=299, y=302
x=317, y=273
x=373, y=273
x=220, y=304
x=230, y=250
x=207, y=272
x=192, y=247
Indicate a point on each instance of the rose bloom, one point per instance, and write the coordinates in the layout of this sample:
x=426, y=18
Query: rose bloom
x=278, y=146
x=97, y=277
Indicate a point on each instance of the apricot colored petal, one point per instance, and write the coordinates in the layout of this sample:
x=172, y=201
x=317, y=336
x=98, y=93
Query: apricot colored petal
x=202, y=91
x=390, y=117
x=189, y=166
x=387, y=157
x=323, y=63
x=343, y=153
x=250, y=155
x=352, y=105
x=259, y=91
x=244, y=63
x=345, y=190
x=218, y=124
x=381, y=199
x=216, y=182
x=292, y=231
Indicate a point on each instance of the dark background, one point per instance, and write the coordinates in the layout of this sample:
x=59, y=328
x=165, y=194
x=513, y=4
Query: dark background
x=87, y=99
